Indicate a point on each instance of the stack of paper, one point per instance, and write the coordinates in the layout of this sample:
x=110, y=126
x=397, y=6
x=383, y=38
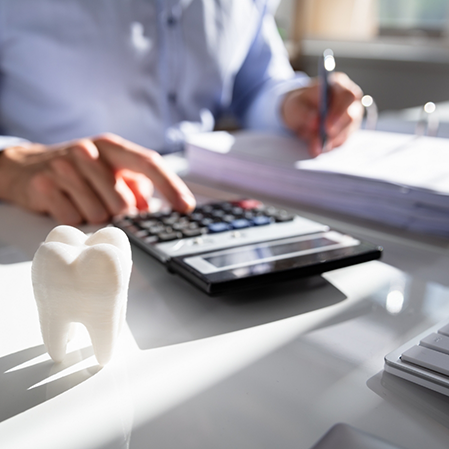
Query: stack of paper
x=398, y=179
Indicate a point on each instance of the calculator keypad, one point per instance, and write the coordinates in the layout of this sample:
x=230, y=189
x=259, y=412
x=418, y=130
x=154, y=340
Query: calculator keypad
x=211, y=218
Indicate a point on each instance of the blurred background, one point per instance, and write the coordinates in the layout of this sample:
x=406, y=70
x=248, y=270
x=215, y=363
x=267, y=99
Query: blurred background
x=396, y=50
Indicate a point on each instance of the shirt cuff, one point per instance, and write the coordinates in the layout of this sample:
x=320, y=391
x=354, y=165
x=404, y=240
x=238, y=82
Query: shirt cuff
x=10, y=141
x=265, y=112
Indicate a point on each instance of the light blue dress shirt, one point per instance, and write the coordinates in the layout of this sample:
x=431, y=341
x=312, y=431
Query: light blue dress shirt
x=151, y=71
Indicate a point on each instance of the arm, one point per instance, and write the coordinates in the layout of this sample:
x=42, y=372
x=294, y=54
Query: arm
x=264, y=78
x=270, y=96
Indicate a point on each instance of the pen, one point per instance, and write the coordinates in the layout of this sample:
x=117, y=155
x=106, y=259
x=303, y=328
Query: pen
x=326, y=66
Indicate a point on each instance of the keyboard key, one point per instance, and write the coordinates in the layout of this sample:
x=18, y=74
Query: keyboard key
x=436, y=342
x=218, y=227
x=427, y=358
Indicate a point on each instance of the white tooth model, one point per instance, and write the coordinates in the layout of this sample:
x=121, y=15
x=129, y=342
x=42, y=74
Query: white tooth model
x=82, y=279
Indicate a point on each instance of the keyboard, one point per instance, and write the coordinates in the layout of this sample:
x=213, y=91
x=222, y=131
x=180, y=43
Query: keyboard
x=424, y=359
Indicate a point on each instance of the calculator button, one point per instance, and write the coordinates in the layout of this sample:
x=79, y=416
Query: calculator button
x=427, y=358
x=218, y=227
x=170, y=220
x=142, y=233
x=283, y=216
x=206, y=221
x=196, y=216
x=248, y=204
x=193, y=232
x=181, y=225
x=229, y=218
x=157, y=229
x=261, y=220
x=131, y=228
x=270, y=211
x=218, y=213
x=148, y=223
x=151, y=239
x=206, y=209
x=437, y=342
x=158, y=215
x=226, y=206
x=167, y=236
x=240, y=223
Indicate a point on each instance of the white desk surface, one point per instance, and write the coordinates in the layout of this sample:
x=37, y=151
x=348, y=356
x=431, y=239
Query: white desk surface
x=264, y=369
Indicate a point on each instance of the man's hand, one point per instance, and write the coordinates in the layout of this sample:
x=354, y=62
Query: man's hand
x=88, y=180
x=300, y=112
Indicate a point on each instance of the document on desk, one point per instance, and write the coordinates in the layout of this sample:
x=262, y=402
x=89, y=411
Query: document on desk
x=397, y=179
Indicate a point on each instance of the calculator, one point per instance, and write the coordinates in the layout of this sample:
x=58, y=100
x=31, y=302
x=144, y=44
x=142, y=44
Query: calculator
x=233, y=245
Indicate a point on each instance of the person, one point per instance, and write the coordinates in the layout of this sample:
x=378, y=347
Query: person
x=94, y=92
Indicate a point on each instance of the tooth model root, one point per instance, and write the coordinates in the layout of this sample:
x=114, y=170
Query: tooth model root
x=82, y=279
x=55, y=336
x=103, y=342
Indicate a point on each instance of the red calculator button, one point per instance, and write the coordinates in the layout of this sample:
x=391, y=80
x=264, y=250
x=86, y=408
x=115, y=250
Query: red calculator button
x=248, y=204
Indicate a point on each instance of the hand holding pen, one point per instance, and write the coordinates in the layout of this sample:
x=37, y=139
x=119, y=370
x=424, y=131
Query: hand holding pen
x=330, y=128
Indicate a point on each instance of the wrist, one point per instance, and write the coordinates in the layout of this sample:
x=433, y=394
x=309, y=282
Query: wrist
x=5, y=173
x=290, y=112
x=12, y=163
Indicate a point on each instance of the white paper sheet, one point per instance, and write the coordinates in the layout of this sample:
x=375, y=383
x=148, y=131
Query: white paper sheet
x=394, y=178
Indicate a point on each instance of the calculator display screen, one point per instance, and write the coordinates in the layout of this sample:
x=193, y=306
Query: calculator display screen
x=264, y=252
